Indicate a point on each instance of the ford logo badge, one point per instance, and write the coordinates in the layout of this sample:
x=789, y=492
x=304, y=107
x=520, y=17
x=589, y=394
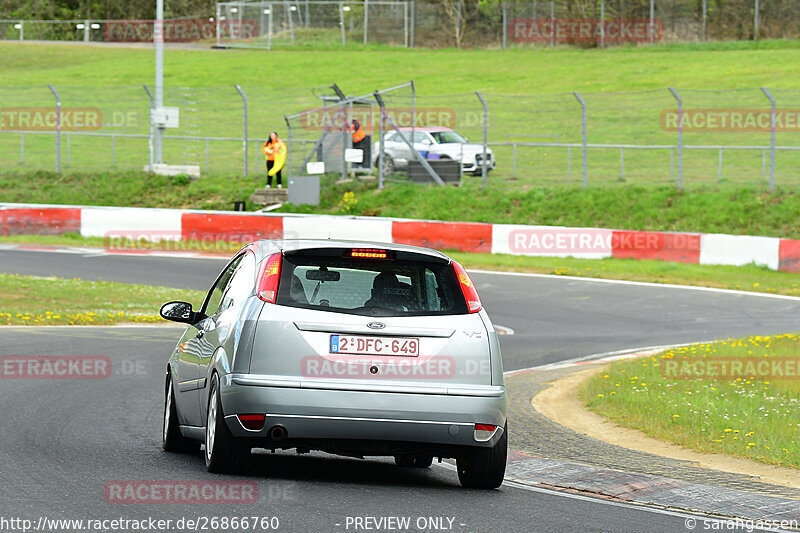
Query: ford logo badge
x=376, y=325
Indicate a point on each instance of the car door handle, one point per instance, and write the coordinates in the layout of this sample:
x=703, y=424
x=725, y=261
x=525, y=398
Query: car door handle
x=200, y=334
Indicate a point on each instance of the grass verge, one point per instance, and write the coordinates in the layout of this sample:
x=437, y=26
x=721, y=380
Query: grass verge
x=31, y=300
x=747, y=411
x=738, y=210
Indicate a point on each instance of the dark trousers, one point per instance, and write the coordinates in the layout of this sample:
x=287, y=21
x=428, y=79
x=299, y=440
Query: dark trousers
x=270, y=164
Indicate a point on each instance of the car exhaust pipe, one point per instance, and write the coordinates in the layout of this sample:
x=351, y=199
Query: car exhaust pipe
x=277, y=433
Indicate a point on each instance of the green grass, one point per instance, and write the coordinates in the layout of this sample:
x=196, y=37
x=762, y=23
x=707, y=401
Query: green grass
x=32, y=300
x=709, y=209
x=279, y=83
x=752, y=416
x=512, y=71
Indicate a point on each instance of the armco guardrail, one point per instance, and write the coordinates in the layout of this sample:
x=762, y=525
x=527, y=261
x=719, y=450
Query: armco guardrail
x=133, y=227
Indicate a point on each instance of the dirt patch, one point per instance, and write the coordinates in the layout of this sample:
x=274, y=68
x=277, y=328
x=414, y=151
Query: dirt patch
x=560, y=403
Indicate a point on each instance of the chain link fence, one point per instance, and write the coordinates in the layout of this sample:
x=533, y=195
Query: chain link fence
x=683, y=136
x=442, y=23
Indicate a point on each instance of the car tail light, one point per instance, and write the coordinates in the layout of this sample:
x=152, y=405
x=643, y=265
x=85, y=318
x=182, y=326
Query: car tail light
x=484, y=432
x=368, y=253
x=467, y=288
x=253, y=422
x=269, y=278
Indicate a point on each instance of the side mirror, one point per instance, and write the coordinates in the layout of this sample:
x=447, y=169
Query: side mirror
x=178, y=312
x=427, y=142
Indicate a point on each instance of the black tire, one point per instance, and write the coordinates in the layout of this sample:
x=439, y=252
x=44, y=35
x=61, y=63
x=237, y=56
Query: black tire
x=413, y=460
x=171, y=438
x=388, y=164
x=484, y=468
x=223, y=454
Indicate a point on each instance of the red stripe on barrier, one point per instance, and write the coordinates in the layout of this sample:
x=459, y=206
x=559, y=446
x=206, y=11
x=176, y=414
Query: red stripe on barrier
x=42, y=221
x=789, y=255
x=463, y=237
x=680, y=247
x=233, y=228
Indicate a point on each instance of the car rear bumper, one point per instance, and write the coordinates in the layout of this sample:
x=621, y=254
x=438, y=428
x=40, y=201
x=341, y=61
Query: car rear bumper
x=361, y=415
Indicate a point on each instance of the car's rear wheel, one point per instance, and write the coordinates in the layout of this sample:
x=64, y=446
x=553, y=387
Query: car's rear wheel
x=171, y=438
x=484, y=468
x=224, y=455
x=413, y=460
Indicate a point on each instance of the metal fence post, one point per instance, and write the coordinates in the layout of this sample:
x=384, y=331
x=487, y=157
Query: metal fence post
x=291, y=22
x=244, y=117
x=341, y=22
x=755, y=22
x=772, y=127
x=485, y=137
x=289, y=149
x=269, y=27
x=58, y=126
x=719, y=166
x=705, y=18
x=86, y=28
x=412, y=23
x=413, y=110
x=405, y=25
x=652, y=20
x=366, y=20
x=21, y=147
x=584, y=141
x=552, y=23
x=680, y=137
x=150, y=141
x=602, y=23
x=21, y=31
x=505, y=25
x=216, y=24
x=381, y=155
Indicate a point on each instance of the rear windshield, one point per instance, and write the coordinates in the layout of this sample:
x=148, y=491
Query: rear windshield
x=385, y=287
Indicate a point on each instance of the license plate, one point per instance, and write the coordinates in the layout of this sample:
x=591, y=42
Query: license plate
x=363, y=345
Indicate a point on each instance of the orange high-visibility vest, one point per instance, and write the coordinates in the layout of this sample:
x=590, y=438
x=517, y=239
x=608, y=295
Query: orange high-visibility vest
x=359, y=134
x=270, y=149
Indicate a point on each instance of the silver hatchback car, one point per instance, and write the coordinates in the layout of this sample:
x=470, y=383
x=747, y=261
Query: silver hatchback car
x=351, y=348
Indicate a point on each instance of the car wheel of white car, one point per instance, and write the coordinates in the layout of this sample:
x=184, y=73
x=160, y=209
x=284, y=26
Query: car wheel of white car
x=223, y=454
x=388, y=164
x=484, y=468
x=171, y=438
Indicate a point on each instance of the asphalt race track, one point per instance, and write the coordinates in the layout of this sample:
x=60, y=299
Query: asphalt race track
x=64, y=441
